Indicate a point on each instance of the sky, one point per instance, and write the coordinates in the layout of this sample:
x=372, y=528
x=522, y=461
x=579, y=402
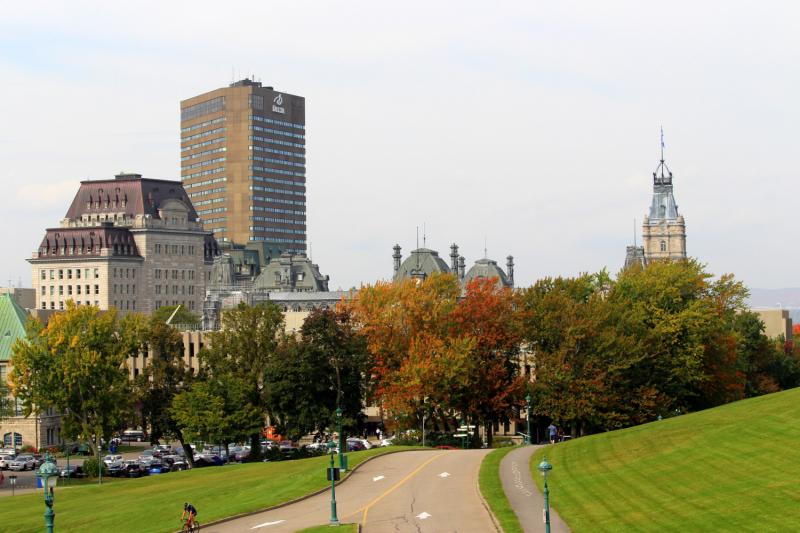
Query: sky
x=532, y=127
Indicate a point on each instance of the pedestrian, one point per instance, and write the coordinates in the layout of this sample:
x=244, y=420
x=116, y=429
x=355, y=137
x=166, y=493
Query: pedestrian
x=553, y=429
x=2, y=479
x=560, y=435
x=378, y=433
x=366, y=434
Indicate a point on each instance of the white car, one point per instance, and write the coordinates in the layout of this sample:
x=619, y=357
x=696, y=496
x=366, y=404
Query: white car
x=387, y=442
x=163, y=448
x=23, y=462
x=112, y=460
x=5, y=461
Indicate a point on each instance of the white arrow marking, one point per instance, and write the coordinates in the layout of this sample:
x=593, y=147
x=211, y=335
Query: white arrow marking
x=423, y=516
x=444, y=474
x=268, y=524
x=378, y=478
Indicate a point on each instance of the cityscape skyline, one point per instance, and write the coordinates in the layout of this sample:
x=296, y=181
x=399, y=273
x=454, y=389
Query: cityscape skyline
x=540, y=135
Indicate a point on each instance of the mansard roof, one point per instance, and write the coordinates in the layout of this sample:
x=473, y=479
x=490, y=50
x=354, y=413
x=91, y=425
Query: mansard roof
x=91, y=239
x=422, y=261
x=487, y=268
x=663, y=206
x=134, y=196
x=13, y=320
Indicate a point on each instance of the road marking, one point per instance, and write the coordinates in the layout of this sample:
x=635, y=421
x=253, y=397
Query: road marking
x=378, y=478
x=268, y=524
x=423, y=516
x=366, y=509
x=444, y=474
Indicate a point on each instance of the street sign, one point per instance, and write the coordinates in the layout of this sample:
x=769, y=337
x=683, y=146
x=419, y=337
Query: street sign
x=336, y=473
x=469, y=427
x=460, y=435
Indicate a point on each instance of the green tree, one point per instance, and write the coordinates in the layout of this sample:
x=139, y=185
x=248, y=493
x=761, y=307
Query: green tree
x=165, y=377
x=218, y=410
x=6, y=401
x=77, y=366
x=314, y=373
x=242, y=349
x=757, y=353
x=183, y=316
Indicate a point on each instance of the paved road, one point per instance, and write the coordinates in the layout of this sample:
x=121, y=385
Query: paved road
x=412, y=495
x=524, y=496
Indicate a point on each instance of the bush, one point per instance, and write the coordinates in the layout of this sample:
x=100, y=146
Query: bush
x=255, y=455
x=27, y=448
x=274, y=454
x=90, y=467
x=502, y=442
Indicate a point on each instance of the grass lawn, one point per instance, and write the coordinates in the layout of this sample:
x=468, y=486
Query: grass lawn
x=343, y=528
x=492, y=490
x=732, y=468
x=153, y=504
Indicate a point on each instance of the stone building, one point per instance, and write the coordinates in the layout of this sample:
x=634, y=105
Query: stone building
x=132, y=243
x=423, y=262
x=42, y=428
x=663, y=230
x=291, y=273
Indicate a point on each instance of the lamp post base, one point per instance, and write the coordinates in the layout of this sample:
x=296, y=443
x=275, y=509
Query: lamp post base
x=333, y=523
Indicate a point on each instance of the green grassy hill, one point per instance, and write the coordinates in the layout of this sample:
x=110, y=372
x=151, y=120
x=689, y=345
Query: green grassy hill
x=154, y=504
x=732, y=468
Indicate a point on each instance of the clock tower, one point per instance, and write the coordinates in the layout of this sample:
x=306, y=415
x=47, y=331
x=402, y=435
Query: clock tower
x=664, y=230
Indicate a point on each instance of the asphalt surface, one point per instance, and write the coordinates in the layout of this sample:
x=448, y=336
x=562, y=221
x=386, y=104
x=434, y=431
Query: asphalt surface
x=428, y=491
x=524, y=496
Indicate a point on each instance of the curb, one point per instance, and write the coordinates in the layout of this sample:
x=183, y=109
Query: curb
x=495, y=521
x=307, y=496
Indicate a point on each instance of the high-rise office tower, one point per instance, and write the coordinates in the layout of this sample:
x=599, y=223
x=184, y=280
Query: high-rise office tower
x=243, y=160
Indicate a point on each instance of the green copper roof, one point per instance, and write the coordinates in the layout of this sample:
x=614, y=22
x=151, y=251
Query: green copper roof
x=12, y=325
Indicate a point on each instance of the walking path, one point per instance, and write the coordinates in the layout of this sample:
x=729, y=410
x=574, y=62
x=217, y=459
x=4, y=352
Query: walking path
x=524, y=496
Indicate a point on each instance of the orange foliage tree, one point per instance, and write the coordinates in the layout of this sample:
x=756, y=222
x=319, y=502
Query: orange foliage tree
x=438, y=349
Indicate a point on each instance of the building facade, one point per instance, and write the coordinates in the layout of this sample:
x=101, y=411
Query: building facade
x=42, y=427
x=131, y=243
x=243, y=160
x=663, y=230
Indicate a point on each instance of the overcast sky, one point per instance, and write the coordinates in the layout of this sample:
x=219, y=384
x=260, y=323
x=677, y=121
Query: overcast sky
x=534, y=125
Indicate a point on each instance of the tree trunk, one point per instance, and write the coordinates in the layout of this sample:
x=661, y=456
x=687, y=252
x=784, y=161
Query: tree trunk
x=489, y=433
x=227, y=455
x=188, y=452
x=583, y=428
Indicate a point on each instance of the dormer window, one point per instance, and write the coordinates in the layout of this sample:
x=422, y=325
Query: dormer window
x=114, y=205
x=97, y=204
x=105, y=204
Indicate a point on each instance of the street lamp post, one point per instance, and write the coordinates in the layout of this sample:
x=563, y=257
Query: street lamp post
x=464, y=439
x=69, y=484
x=528, y=416
x=334, y=519
x=48, y=473
x=100, y=464
x=545, y=467
x=341, y=454
x=13, y=479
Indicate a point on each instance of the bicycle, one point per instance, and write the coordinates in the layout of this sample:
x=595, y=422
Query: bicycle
x=190, y=529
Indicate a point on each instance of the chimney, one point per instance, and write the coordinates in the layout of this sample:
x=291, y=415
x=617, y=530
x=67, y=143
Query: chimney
x=397, y=257
x=454, y=259
x=462, y=267
x=510, y=266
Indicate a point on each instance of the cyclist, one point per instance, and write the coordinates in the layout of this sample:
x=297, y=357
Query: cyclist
x=187, y=508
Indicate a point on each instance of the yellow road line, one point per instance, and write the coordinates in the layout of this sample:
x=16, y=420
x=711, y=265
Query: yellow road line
x=366, y=509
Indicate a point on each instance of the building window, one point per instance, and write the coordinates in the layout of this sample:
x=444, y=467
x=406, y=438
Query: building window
x=134, y=305
x=61, y=290
x=96, y=273
x=60, y=274
x=96, y=303
x=61, y=305
x=88, y=290
x=69, y=290
x=9, y=443
x=133, y=273
x=44, y=274
x=127, y=272
x=52, y=305
x=44, y=290
x=174, y=249
x=97, y=289
x=52, y=274
x=69, y=274
x=134, y=289
x=86, y=274
x=663, y=246
x=115, y=289
x=77, y=273
x=77, y=289
x=44, y=305
x=115, y=272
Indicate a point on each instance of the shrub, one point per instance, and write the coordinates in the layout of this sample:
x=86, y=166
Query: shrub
x=255, y=455
x=274, y=454
x=90, y=467
x=502, y=442
x=27, y=448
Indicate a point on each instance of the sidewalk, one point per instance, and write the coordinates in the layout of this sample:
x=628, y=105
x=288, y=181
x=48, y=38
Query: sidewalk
x=524, y=496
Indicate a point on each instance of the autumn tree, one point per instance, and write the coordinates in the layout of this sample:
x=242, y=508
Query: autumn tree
x=439, y=350
x=183, y=315
x=160, y=381
x=242, y=350
x=77, y=366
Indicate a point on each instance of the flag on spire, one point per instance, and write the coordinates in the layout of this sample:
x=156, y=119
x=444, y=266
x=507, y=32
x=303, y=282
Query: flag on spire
x=662, y=136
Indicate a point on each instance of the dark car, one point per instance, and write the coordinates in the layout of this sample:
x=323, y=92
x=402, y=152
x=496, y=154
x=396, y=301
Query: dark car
x=71, y=471
x=116, y=470
x=355, y=446
x=39, y=460
x=132, y=470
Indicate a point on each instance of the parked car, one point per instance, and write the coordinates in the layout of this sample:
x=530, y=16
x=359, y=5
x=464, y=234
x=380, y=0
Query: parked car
x=147, y=454
x=134, y=435
x=163, y=448
x=23, y=462
x=387, y=442
x=240, y=456
x=5, y=461
x=8, y=451
x=367, y=444
x=133, y=470
x=177, y=466
x=158, y=468
x=112, y=460
x=38, y=460
x=355, y=445
x=116, y=469
x=71, y=471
